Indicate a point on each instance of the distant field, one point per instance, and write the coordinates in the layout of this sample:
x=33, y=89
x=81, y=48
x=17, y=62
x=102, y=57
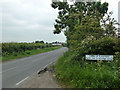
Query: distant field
x=12, y=51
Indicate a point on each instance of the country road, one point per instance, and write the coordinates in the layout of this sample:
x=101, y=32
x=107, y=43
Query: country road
x=17, y=71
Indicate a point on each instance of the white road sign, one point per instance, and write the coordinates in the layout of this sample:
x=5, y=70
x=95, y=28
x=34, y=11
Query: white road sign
x=99, y=57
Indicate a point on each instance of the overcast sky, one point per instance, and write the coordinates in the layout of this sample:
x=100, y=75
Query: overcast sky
x=31, y=20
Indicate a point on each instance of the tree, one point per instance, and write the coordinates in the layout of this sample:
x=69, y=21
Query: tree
x=79, y=20
x=64, y=21
x=109, y=25
x=39, y=41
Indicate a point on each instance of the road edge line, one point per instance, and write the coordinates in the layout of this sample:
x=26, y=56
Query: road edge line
x=22, y=80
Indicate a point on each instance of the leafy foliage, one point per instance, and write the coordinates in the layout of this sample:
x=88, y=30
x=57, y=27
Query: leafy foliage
x=12, y=48
x=82, y=19
x=108, y=23
x=39, y=41
x=79, y=18
x=85, y=74
x=89, y=30
x=102, y=46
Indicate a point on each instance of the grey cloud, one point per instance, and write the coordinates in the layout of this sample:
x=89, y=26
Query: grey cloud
x=28, y=20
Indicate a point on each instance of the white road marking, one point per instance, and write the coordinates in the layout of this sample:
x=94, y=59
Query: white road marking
x=22, y=80
x=8, y=69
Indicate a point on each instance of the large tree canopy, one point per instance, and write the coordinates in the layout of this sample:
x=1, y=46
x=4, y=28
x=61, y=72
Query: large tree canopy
x=79, y=20
x=64, y=19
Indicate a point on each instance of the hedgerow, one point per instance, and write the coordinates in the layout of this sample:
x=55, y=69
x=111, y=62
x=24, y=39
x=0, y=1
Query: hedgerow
x=102, y=46
x=12, y=48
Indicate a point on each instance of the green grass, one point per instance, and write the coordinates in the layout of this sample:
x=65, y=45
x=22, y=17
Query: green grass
x=0, y=59
x=87, y=74
x=28, y=53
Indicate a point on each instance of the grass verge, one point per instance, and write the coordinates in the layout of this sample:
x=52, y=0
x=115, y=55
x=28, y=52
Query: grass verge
x=28, y=53
x=87, y=74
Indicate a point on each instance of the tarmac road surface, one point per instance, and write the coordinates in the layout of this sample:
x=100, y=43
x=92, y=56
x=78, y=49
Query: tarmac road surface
x=17, y=71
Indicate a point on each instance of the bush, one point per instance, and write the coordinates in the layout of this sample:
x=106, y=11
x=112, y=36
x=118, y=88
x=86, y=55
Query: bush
x=102, y=46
